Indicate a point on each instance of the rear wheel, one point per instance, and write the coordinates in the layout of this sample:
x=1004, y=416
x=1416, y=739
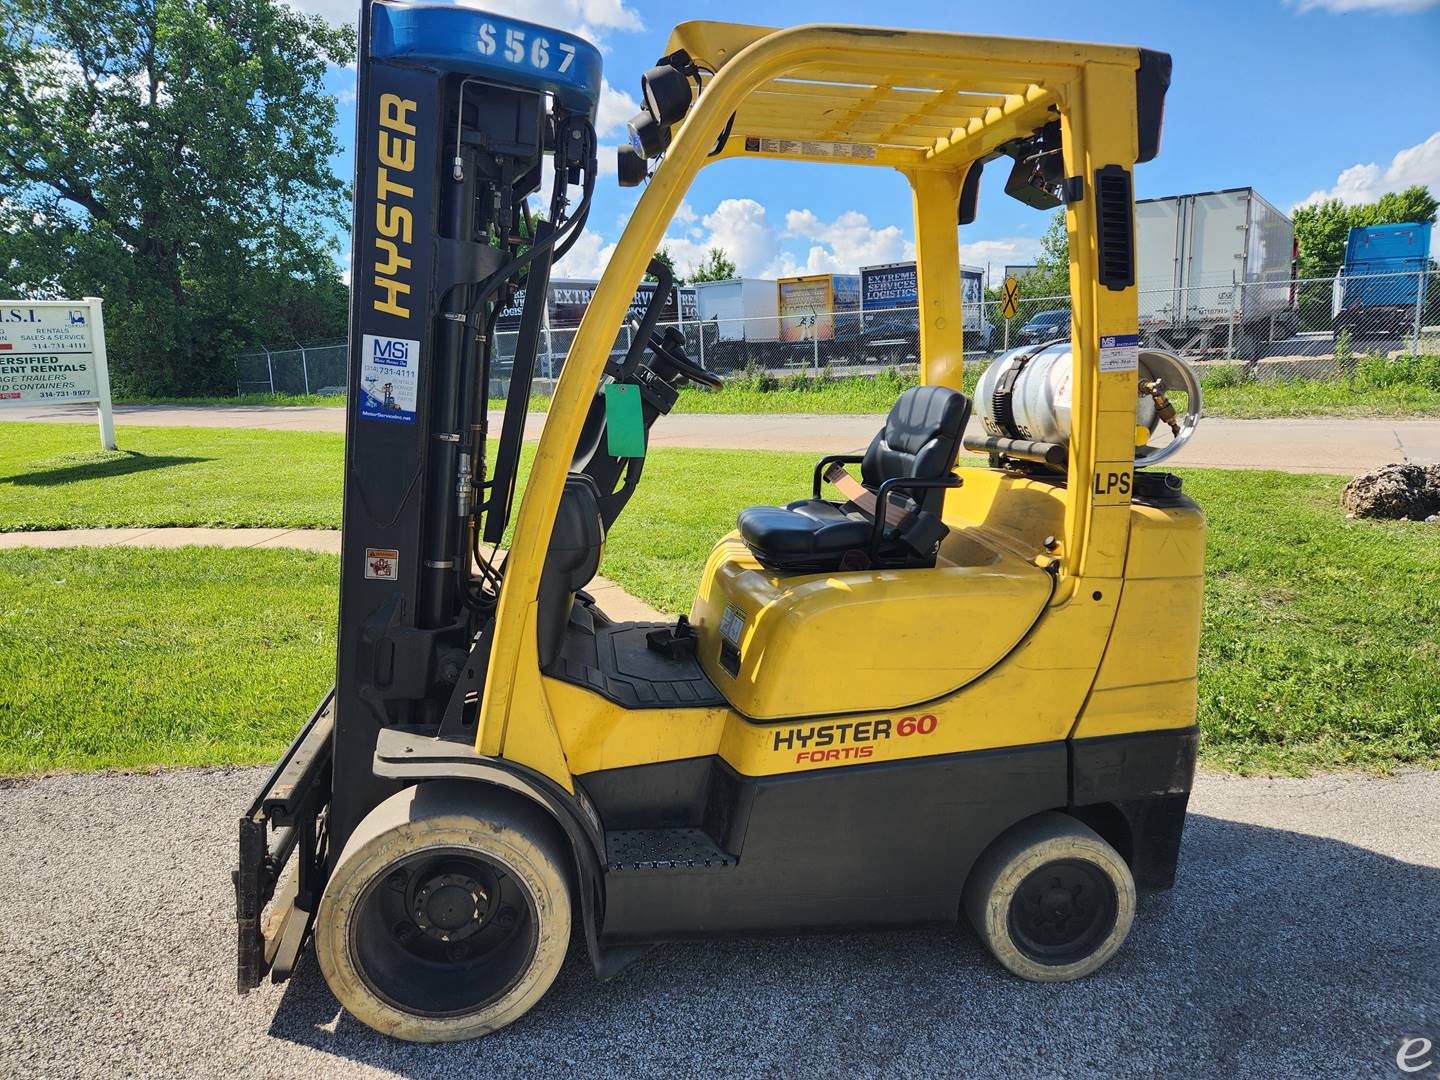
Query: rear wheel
x=447, y=917
x=1051, y=899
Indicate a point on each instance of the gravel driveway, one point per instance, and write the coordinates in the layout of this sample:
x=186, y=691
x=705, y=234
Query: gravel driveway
x=1302, y=939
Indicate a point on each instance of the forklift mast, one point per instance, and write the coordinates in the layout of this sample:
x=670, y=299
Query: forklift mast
x=456, y=110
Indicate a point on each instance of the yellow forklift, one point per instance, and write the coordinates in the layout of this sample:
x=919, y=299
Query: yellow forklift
x=922, y=692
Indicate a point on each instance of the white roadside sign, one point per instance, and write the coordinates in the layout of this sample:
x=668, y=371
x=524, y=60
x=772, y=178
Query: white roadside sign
x=52, y=352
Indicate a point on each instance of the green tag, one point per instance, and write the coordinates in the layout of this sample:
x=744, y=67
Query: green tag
x=624, y=423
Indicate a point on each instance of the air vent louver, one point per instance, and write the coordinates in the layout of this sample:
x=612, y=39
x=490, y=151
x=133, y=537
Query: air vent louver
x=1115, y=227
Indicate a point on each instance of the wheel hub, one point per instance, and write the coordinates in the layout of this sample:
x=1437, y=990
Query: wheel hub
x=1062, y=911
x=451, y=907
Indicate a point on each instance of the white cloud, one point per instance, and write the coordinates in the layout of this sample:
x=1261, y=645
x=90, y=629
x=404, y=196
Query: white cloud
x=740, y=226
x=591, y=19
x=1012, y=250
x=847, y=243
x=1345, y=7
x=616, y=107
x=743, y=228
x=1418, y=164
x=587, y=259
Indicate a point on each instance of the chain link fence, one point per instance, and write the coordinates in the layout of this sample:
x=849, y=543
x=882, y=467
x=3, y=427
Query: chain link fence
x=1374, y=328
x=300, y=369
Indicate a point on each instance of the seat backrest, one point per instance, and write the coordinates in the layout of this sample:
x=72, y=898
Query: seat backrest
x=576, y=545
x=921, y=438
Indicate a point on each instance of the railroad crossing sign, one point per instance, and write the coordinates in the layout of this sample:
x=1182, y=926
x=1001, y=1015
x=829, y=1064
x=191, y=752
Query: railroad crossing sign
x=1010, y=298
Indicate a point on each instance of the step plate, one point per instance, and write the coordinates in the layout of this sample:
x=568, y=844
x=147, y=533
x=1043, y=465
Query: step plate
x=635, y=850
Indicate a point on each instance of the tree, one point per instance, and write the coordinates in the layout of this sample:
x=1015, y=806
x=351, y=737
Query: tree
x=173, y=157
x=663, y=255
x=716, y=266
x=1051, y=276
x=1321, y=228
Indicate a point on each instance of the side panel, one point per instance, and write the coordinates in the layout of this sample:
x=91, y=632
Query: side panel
x=875, y=845
x=869, y=845
x=1216, y=253
x=1267, y=260
x=1157, y=257
x=1146, y=779
x=1147, y=678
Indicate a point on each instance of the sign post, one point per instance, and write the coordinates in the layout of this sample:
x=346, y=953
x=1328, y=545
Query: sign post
x=52, y=352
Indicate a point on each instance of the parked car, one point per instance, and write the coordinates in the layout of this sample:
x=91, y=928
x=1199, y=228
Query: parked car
x=1044, y=326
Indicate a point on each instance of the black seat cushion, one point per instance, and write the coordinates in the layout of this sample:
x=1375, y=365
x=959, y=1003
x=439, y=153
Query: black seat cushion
x=782, y=536
x=920, y=439
x=826, y=513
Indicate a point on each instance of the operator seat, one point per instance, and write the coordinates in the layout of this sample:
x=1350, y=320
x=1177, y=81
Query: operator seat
x=919, y=442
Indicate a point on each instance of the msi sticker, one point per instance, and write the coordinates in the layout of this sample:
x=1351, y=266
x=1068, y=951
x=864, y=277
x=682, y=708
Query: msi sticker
x=389, y=378
x=1120, y=352
x=382, y=564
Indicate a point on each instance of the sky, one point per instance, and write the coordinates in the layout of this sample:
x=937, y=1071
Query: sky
x=1299, y=99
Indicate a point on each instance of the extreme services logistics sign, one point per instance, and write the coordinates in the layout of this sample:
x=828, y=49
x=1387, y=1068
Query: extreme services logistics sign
x=52, y=352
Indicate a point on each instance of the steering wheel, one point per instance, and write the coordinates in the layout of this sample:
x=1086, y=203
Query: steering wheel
x=677, y=359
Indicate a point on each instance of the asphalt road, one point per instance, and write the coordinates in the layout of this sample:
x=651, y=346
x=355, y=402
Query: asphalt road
x=1301, y=939
x=1308, y=445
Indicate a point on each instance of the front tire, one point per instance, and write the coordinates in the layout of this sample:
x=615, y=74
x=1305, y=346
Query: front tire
x=1051, y=899
x=447, y=916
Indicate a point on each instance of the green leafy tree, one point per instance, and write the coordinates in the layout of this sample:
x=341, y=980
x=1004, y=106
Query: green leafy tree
x=1321, y=228
x=716, y=266
x=1051, y=276
x=664, y=256
x=173, y=157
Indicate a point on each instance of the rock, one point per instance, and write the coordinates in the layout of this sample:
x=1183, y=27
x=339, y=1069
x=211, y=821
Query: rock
x=1395, y=491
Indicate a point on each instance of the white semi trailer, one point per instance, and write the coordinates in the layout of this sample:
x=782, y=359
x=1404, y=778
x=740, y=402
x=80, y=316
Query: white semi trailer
x=741, y=309
x=1215, y=273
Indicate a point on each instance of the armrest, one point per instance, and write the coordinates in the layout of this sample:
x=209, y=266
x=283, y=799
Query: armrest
x=902, y=483
x=831, y=459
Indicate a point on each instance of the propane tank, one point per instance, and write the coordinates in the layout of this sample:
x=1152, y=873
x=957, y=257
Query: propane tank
x=1025, y=394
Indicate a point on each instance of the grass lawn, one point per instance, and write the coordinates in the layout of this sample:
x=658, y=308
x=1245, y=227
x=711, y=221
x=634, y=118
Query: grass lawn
x=116, y=658
x=53, y=476
x=1321, y=644
x=1316, y=397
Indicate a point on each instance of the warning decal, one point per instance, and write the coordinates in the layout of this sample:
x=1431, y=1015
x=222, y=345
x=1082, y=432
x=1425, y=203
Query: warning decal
x=1120, y=353
x=382, y=564
x=839, y=151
